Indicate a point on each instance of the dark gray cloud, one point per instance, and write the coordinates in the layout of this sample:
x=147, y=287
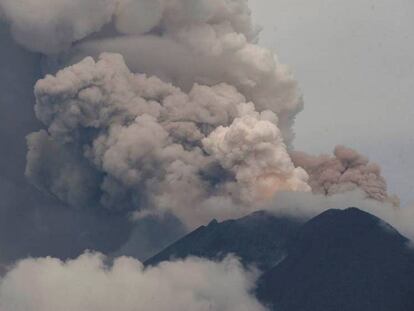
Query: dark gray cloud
x=131, y=142
x=20, y=69
x=33, y=223
x=51, y=27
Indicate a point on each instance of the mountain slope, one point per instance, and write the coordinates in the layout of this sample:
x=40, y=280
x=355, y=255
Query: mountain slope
x=259, y=238
x=343, y=261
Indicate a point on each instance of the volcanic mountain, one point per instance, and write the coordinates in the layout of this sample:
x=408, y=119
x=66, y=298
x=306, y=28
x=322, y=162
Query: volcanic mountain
x=343, y=261
x=259, y=238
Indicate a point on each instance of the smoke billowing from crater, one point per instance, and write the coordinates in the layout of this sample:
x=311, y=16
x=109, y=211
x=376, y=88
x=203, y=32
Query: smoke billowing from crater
x=169, y=107
x=347, y=170
x=194, y=119
x=129, y=142
x=153, y=111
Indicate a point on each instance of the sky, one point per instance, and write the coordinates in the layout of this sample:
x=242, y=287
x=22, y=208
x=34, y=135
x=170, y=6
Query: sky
x=354, y=64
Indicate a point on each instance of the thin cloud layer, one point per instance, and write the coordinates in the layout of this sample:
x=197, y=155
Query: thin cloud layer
x=308, y=205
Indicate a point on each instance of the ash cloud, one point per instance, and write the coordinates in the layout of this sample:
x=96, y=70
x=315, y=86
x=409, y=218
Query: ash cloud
x=34, y=223
x=131, y=142
x=205, y=42
x=347, y=170
x=52, y=26
x=170, y=140
x=193, y=122
x=48, y=284
x=185, y=42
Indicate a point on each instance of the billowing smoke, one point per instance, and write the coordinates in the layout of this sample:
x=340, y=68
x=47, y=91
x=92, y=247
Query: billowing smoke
x=135, y=143
x=185, y=42
x=205, y=42
x=346, y=171
x=162, y=108
x=169, y=112
x=194, y=119
x=196, y=46
x=88, y=284
x=52, y=26
x=252, y=149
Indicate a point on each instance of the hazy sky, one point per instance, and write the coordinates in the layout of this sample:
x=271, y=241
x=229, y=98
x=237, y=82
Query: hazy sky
x=354, y=61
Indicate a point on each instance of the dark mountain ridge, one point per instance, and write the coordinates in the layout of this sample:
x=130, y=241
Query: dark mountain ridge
x=259, y=238
x=343, y=261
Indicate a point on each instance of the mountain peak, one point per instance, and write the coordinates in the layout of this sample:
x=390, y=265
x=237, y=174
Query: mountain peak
x=260, y=238
x=212, y=223
x=344, y=215
x=344, y=260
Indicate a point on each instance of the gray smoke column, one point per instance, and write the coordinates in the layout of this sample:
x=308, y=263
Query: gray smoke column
x=194, y=119
x=131, y=142
x=202, y=41
x=168, y=107
x=182, y=41
x=347, y=170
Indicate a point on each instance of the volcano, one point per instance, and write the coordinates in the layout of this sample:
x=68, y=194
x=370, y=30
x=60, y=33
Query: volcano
x=343, y=261
x=258, y=239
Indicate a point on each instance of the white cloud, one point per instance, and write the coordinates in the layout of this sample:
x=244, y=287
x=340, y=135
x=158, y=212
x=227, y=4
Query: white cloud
x=88, y=284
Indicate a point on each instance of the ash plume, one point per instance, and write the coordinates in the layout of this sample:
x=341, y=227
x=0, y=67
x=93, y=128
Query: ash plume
x=185, y=42
x=196, y=46
x=135, y=143
x=194, y=119
x=52, y=26
x=347, y=170
x=203, y=41
x=156, y=109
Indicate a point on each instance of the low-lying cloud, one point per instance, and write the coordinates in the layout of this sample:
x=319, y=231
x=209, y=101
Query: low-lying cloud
x=89, y=284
